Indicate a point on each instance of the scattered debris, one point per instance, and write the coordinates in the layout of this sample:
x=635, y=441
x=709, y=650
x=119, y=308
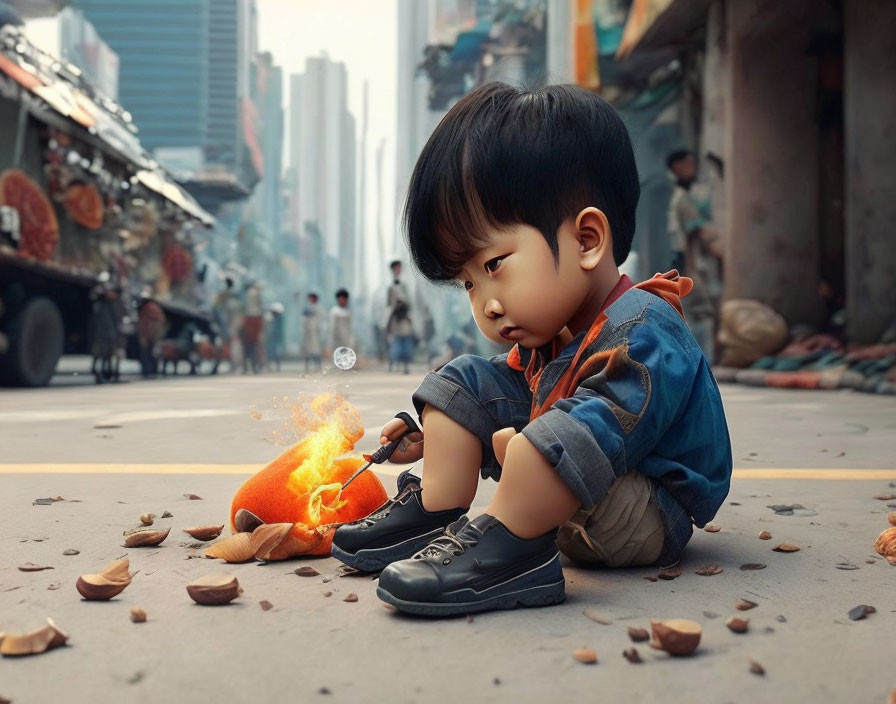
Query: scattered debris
x=881, y=497
x=857, y=613
x=886, y=545
x=236, y=548
x=792, y=510
x=651, y=579
x=765, y=535
x=167, y=514
x=214, y=589
x=324, y=690
x=329, y=594
x=496, y=681
x=597, y=617
x=193, y=497
x=710, y=614
x=709, y=570
x=755, y=667
x=70, y=551
x=632, y=656
x=745, y=605
x=846, y=566
x=31, y=567
x=103, y=585
x=638, y=635
x=669, y=573
x=52, y=500
x=35, y=642
x=267, y=538
x=585, y=655
x=204, y=533
x=676, y=636
x=138, y=615
x=246, y=521
x=753, y=566
x=351, y=598
x=734, y=503
x=147, y=518
x=712, y=528
x=54, y=586
x=737, y=624
x=786, y=547
x=891, y=518
x=327, y=579
x=781, y=619
x=307, y=571
x=265, y=605
x=144, y=538
x=469, y=618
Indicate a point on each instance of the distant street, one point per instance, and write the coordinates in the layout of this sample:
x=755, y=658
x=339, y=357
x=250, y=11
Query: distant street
x=116, y=451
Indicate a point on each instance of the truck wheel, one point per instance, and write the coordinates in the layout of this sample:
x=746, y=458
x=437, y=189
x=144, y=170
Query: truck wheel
x=36, y=338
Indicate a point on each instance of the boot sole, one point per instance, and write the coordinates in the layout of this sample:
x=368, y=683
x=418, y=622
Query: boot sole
x=546, y=595
x=377, y=560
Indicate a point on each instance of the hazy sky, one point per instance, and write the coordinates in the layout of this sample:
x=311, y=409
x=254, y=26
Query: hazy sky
x=363, y=35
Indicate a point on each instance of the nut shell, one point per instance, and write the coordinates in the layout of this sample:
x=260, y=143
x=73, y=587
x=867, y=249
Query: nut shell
x=38, y=641
x=138, y=615
x=266, y=538
x=95, y=587
x=245, y=521
x=676, y=636
x=585, y=655
x=141, y=538
x=214, y=589
x=737, y=624
x=886, y=545
x=204, y=533
x=236, y=548
x=147, y=518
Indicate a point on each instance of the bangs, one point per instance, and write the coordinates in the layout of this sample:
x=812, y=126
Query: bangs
x=504, y=156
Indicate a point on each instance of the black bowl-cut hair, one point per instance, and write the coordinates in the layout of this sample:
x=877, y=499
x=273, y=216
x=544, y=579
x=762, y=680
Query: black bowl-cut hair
x=505, y=156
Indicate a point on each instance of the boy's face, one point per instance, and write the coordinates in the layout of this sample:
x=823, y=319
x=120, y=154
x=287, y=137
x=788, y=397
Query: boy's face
x=518, y=292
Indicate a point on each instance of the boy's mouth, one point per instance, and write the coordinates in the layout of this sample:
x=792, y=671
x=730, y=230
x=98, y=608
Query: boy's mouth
x=511, y=332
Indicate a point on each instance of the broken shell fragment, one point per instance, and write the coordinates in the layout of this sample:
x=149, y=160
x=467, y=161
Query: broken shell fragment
x=676, y=636
x=307, y=571
x=786, y=547
x=755, y=667
x=668, y=573
x=70, y=552
x=193, y=497
x=138, y=615
x=597, y=616
x=753, y=566
x=143, y=538
x=245, y=521
x=886, y=545
x=118, y=570
x=712, y=528
x=167, y=514
x=765, y=535
x=638, y=635
x=214, y=589
x=351, y=598
x=585, y=655
x=204, y=533
x=737, y=624
x=266, y=538
x=31, y=567
x=35, y=642
x=147, y=518
x=745, y=605
x=265, y=605
x=95, y=587
x=857, y=613
x=236, y=548
x=632, y=656
x=709, y=570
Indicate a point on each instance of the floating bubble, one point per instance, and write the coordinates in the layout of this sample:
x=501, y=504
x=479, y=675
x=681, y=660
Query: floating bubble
x=344, y=358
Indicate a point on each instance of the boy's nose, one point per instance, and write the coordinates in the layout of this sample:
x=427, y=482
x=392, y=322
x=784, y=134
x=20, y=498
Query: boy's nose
x=493, y=309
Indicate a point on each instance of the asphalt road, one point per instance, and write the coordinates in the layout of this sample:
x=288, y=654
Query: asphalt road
x=116, y=451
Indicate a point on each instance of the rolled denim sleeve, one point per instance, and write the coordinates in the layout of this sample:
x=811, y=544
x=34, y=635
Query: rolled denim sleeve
x=618, y=414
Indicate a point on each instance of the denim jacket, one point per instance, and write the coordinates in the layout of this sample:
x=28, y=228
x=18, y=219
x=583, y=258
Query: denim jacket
x=651, y=403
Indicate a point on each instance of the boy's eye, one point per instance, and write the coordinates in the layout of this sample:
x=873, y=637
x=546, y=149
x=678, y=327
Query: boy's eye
x=491, y=266
x=468, y=285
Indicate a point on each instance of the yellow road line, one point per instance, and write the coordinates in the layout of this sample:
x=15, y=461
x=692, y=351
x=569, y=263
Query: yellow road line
x=815, y=474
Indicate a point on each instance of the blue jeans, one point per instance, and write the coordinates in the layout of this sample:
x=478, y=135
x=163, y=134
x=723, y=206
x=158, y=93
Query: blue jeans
x=485, y=395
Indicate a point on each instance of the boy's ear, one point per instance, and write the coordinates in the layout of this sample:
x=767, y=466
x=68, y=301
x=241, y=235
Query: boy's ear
x=593, y=236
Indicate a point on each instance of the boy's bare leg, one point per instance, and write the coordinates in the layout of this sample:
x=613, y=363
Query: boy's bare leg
x=531, y=499
x=452, y=456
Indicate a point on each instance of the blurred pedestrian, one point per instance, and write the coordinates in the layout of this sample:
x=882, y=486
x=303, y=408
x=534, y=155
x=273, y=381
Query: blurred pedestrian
x=312, y=344
x=696, y=251
x=341, y=331
x=105, y=330
x=252, y=329
x=151, y=326
x=400, y=333
x=228, y=313
x=275, y=336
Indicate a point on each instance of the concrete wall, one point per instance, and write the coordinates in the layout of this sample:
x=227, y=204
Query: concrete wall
x=771, y=173
x=870, y=120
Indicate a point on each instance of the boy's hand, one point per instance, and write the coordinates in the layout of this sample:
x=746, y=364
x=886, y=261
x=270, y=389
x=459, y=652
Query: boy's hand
x=410, y=449
x=500, y=440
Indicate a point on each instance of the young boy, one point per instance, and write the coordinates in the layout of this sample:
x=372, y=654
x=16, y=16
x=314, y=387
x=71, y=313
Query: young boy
x=603, y=425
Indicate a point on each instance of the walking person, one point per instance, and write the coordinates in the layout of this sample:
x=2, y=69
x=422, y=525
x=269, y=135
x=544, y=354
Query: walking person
x=275, y=337
x=341, y=331
x=312, y=344
x=252, y=329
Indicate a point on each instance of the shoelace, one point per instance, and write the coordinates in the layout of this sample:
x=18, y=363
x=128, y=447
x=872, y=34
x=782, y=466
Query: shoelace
x=384, y=510
x=448, y=544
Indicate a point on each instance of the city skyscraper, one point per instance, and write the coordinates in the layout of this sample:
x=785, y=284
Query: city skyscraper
x=323, y=146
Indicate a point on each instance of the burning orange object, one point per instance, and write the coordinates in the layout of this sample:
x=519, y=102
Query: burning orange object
x=298, y=494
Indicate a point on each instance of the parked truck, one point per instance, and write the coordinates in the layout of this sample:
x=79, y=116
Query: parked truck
x=82, y=204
